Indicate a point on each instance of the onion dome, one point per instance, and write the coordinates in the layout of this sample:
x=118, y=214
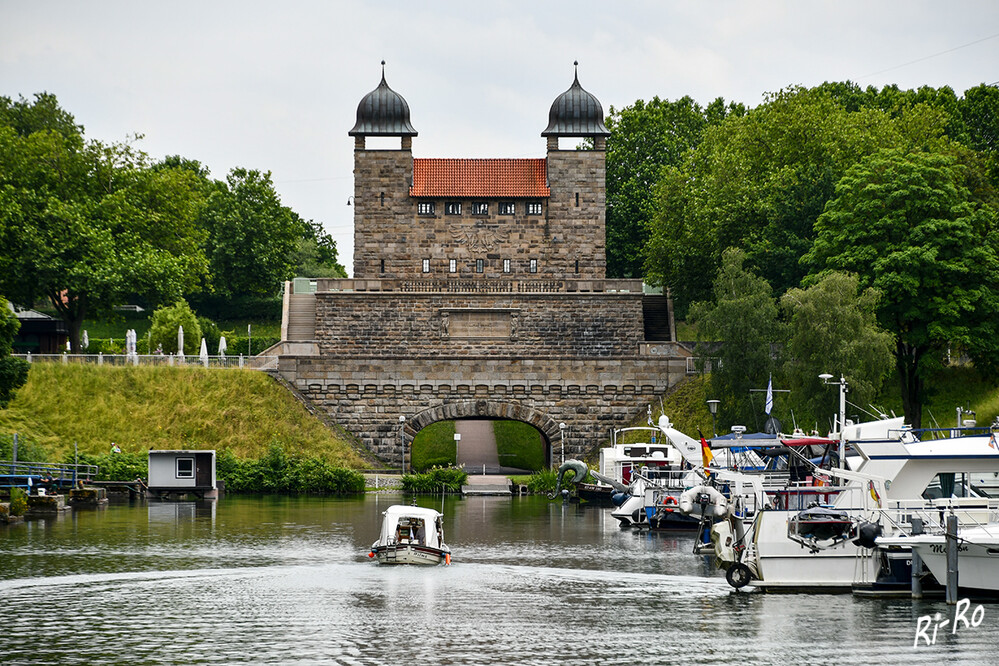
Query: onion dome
x=576, y=113
x=382, y=112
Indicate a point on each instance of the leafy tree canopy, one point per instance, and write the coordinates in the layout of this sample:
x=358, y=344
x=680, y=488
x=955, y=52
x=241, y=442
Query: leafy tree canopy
x=832, y=328
x=644, y=138
x=13, y=371
x=918, y=227
x=86, y=224
x=759, y=182
x=743, y=315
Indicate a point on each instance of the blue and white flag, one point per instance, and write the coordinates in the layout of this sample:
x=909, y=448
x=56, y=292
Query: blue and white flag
x=770, y=395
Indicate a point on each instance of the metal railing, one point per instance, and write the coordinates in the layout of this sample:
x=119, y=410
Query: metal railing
x=171, y=360
x=26, y=474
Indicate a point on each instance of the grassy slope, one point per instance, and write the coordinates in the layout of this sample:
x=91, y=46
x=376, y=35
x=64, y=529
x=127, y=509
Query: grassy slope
x=165, y=408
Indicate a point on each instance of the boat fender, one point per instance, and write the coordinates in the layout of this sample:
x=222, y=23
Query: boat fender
x=447, y=558
x=371, y=554
x=867, y=533
x=618, y=498
x=738, y=575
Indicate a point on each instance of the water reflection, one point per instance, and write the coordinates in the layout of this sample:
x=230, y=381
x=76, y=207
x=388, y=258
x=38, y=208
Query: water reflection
x=286, y=581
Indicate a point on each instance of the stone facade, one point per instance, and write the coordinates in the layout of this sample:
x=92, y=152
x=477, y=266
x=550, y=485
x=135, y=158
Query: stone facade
x=479, y=292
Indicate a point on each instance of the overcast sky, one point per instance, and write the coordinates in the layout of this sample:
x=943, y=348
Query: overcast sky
x=275, y=85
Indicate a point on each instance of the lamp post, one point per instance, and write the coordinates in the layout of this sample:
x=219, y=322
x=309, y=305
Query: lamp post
x=713, y=408
x=561, y=429
x=402, y=442
x=826, y=377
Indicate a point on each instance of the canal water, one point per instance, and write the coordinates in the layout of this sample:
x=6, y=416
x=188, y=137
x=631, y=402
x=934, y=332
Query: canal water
x=277, y=580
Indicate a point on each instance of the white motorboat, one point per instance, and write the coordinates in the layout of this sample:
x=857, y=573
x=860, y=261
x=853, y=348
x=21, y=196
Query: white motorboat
x=411, y=535
x=657, y=466
x=977, y=555
x=789, y=544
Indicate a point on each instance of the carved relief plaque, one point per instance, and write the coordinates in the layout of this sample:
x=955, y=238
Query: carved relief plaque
x=474, y=323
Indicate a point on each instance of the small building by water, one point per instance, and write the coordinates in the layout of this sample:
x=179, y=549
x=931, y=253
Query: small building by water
x=181, y=472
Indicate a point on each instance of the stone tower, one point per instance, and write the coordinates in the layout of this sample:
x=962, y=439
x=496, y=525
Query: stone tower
x=479, y=291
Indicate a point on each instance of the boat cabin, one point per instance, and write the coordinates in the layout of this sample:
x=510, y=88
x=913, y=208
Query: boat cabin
x=181, y=472
x=412, y=525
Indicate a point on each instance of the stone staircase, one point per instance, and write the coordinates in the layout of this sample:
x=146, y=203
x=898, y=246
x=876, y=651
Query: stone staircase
x=302, y=317
x=655, y=311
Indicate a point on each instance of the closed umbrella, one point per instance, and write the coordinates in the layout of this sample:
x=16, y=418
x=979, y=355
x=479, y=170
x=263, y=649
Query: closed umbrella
x=85, y=343
x=180, y=342
x=204, y=352
x=222, y=346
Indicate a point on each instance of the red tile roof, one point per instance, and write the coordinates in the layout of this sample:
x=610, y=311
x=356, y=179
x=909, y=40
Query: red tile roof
x=485, y=178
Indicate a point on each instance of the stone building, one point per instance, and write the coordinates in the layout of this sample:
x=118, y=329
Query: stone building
x=479, y=291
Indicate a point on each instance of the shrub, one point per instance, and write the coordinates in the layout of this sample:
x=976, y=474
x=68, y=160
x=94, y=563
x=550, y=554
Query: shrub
x=278, y=472
x=438, y=479
x=18, y=502
x=116, y=466
x=543, y=481
x=166, y=320
x=27, y=450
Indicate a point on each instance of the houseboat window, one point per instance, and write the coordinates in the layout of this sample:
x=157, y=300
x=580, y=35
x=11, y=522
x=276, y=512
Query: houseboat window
x=185, y=468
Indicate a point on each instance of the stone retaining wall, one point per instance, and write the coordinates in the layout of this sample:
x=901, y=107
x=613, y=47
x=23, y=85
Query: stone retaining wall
x=590, y=395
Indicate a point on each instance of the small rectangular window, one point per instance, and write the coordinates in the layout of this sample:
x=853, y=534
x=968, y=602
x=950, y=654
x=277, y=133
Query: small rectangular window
x=480, y=208
x=506, y=265
x=534, y=208
x=479, y=265
x=185, y=468
x=534, y=266
x=426, y=265
x=507, y=208
x=452, y=208
x=425, y=208
x=383, y=266
x=452, y=265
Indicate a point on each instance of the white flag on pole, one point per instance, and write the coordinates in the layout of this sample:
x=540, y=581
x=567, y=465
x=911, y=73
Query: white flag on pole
x=770, y=395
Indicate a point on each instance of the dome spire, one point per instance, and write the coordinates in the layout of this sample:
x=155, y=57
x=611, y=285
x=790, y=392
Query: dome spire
x=576, y=112
x=382, y=112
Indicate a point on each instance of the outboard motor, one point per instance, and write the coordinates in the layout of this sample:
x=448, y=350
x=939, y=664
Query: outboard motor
x=867, y=534
x=619, y=498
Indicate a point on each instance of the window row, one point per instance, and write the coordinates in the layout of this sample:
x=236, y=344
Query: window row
x=478, y=208
x=480, y=266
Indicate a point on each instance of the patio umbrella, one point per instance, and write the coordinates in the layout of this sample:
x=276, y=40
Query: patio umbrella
x=85, y=343
x=204, y=352
x=222, y=346
x=180, y=342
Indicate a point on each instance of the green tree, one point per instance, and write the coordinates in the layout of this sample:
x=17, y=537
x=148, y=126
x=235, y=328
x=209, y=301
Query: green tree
x=644, y=138
x=760, y=181
x=909, y=225
x=86, y=224
x=13, y=371
x=315, y=253
x=251, y=236
x=744, y=317
x=833, y=328
x=165, y=322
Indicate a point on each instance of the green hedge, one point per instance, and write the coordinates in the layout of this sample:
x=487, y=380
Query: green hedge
x=438, y=479
x=116, y=466
x=519, y=445
x=277, y=472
